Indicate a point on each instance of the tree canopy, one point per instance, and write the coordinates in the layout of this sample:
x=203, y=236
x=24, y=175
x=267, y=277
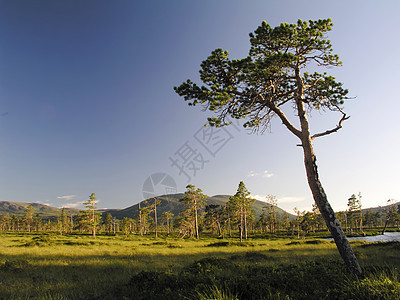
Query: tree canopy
x=257, y=86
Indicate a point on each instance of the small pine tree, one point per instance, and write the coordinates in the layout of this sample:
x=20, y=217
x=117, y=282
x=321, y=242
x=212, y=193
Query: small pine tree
x=391, y=214
x=194, y=200
x=167, y=217
x=354, y=215
x=240, y=205
x=108, y=222
x=64, y=221
x=92, y=216
x=272, y=218
x=28, y=217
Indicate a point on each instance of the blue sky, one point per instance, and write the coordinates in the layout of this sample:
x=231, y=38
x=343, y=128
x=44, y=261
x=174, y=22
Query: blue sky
x=87, y=103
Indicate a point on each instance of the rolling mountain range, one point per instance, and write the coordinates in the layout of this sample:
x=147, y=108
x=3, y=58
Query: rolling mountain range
x=18, y=209
x=171, y=203
x=168, y=203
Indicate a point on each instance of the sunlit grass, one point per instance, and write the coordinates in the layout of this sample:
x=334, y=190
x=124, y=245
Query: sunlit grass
x=77, y=266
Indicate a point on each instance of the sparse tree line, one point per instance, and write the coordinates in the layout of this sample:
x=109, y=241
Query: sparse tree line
x=234, y=219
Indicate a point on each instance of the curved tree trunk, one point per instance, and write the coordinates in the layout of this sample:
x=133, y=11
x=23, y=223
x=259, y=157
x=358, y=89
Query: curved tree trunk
x=327, y=212
x=320, y=197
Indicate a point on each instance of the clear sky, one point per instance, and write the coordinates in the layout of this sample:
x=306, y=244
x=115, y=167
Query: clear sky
x=87, y=103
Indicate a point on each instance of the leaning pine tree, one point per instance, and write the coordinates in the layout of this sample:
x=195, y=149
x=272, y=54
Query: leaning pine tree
x=271, y=77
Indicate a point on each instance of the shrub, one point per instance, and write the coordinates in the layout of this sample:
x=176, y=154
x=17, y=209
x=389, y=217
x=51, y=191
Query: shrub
x=218, y=244
x=316, y=242
x=293, y=243
x=208, y=265
x=15, y=265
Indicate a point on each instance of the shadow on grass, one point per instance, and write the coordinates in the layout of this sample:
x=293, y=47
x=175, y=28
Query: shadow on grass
x=309, y=280
x=111, y=275
x=295, y=271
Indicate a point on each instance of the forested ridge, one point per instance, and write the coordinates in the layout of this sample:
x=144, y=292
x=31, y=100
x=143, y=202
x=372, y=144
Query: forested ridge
x=263, y=217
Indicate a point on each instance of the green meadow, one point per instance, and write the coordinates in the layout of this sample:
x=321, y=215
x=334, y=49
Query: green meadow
x=50, y=266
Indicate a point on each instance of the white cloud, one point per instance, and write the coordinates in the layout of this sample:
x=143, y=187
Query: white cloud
x=252, y=174
x=73, y=205
x=67, y=197
x=267, y=174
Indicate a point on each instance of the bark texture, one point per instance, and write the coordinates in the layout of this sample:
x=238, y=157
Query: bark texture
x=318, y=192
x=327, y=212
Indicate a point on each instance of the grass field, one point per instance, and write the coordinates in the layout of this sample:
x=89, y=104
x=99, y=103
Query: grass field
x=48, y=266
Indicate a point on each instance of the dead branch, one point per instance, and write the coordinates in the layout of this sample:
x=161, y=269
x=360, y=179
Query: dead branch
x=339, y=126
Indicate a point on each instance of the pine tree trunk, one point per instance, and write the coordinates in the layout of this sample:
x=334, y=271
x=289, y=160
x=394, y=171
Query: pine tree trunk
x=315, y=185
x=321, y=200
x=219, y=229
x=245, y=225
x=155, y=218
x=241, y=224
x=298, y=225
x=328, y=214
x=167, y=225
x=229, y=224
x=384, y=228
x=140, y=221
x=196, y=225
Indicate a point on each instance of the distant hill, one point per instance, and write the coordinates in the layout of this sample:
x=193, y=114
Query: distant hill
x=168, y=203
x=171, y=203
x=380, y=209
x=18, y=209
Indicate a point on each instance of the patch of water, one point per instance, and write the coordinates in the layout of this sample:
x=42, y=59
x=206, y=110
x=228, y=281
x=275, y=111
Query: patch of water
x=387, y=237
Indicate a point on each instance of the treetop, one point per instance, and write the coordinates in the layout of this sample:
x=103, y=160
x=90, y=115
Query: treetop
x=273, y=74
